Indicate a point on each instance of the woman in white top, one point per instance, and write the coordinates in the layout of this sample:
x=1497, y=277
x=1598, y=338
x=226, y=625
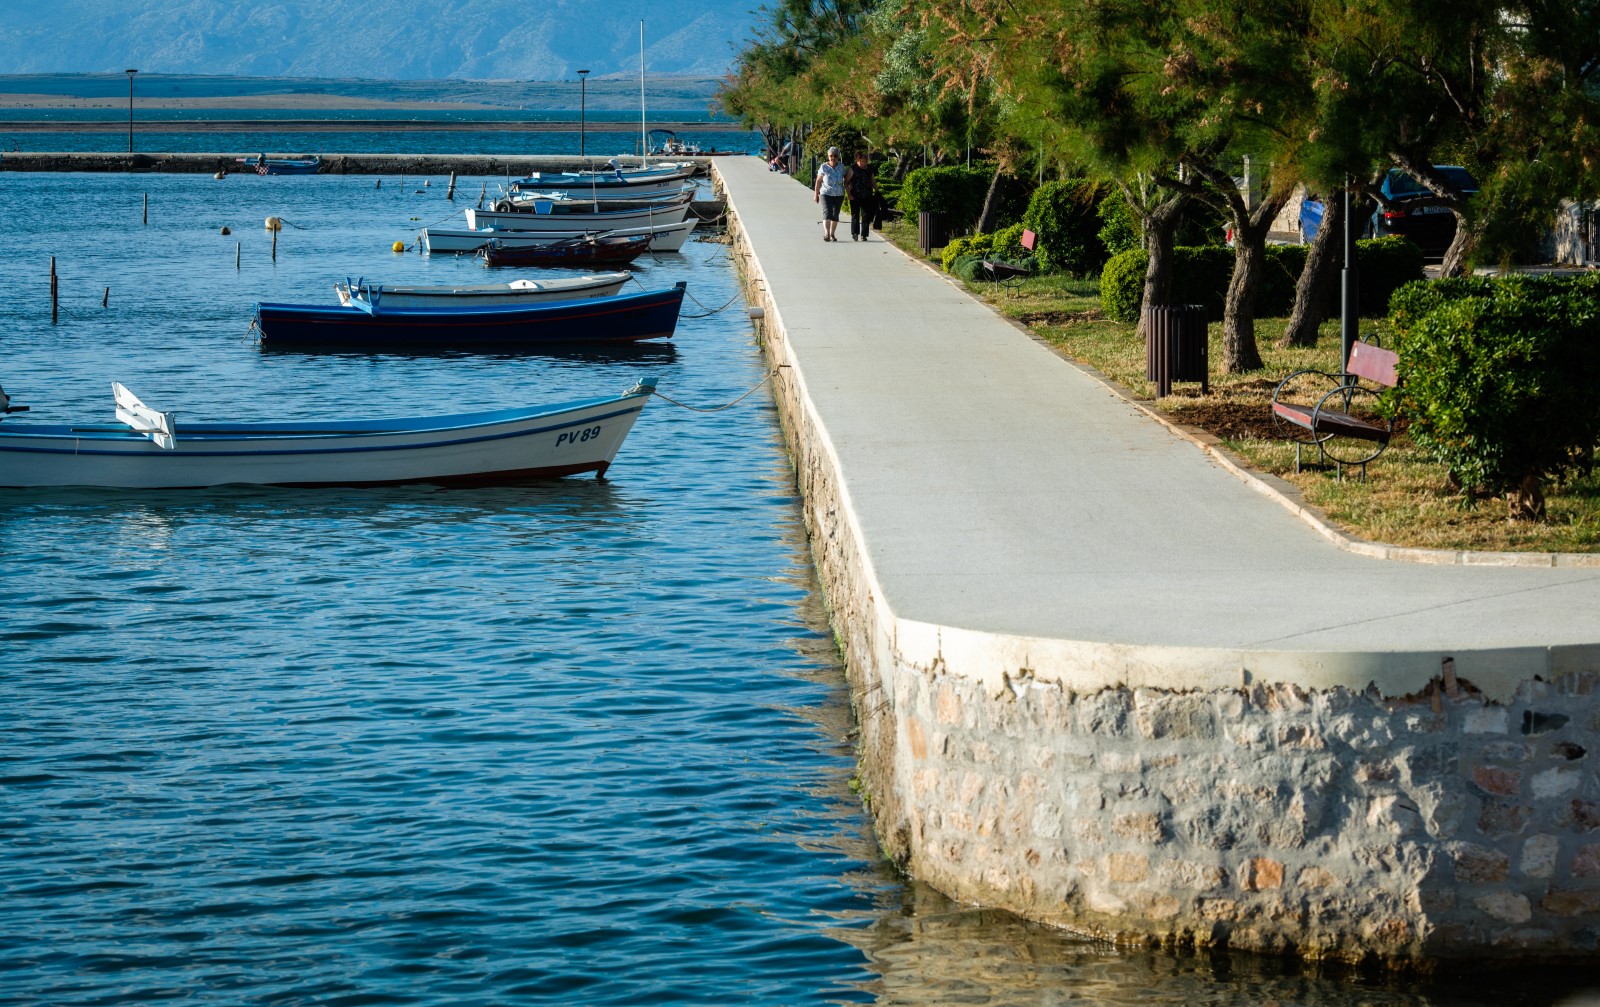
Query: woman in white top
x=829, y=191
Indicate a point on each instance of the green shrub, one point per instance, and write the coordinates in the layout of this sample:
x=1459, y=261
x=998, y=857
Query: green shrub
x=968, y=267
x=1386, y=264
x=1062, y=215
x=1008, y=244
x=1497, y=376
x=1119, y=226
x=1122, y=284
x=975, y=244
x=1201, y=274
x=956, y=192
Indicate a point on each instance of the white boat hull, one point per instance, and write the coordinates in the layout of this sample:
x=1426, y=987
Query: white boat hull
x=515, y=292
x=658, y=216
x=471, y=448
x=668, y=238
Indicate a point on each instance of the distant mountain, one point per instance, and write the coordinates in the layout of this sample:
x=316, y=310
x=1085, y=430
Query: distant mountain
x=376, y=39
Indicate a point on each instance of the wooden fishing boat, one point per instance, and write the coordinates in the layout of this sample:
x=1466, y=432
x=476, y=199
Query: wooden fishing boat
x=595, y=250
x=522, y=291
x=669, y=238
x=147, y=449
x=368, y=324
x=264, y=165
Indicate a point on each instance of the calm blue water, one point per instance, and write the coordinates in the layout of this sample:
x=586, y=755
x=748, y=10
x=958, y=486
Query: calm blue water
x=580, y=742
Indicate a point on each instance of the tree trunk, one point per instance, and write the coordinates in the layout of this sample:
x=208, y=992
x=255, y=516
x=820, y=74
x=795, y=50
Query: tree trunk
x=991, y=203
x=1312, y=291
x=1526, y=501
x=1239, y=351
x=1455, y=257
x=1250, y=226
x=1160, y=230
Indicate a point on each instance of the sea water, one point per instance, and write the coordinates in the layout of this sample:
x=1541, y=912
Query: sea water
x=575, y=742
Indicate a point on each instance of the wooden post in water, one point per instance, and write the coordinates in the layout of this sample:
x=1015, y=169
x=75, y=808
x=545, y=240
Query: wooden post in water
x=105, y=299
x=147, y=209
x=236, y=245
x=379, y=185
x=274, y=244
x=482, y=193
x=52, y=290
x=450, y=193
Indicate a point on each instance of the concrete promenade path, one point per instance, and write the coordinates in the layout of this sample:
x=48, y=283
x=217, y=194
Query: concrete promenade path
x=1000, y=489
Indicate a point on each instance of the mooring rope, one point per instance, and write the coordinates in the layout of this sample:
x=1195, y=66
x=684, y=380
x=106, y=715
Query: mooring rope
x=715, y=409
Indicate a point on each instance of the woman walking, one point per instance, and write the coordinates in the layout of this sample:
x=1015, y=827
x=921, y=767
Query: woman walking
x=862, y=186
x=829, y=191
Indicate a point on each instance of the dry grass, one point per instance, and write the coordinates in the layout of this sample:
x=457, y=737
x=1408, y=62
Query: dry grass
x=1406, y=500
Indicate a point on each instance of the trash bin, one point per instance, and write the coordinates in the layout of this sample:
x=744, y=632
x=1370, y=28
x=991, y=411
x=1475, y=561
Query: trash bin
x=930, y=230
x=1175, y=346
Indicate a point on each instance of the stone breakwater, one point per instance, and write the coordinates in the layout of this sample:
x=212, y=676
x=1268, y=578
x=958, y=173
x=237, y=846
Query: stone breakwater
x=1328, y=822
x=332, y=164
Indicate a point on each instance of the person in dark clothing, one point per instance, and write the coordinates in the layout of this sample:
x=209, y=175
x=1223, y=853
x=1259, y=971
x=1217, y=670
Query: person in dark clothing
x=862, y=187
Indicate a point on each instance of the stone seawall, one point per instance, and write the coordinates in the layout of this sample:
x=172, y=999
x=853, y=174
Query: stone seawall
x=1424, y=818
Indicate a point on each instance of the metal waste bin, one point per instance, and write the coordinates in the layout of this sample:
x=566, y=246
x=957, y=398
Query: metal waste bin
x=1175, y=346
x=930, y=230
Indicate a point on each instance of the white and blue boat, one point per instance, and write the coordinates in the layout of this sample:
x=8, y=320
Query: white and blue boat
x=368, y=324
x=148, y=449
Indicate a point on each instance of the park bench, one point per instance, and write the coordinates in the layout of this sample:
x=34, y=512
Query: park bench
x=1010, y=274
x=1337, y=412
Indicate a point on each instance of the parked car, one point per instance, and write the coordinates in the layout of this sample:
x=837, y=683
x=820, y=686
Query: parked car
x=1413, y=213
x=1418, y=214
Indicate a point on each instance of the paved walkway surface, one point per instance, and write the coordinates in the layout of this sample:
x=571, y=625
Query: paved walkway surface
x=999, y=488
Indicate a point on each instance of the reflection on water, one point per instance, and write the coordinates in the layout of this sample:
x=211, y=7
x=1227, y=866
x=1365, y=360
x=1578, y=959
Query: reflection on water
x=933, y=952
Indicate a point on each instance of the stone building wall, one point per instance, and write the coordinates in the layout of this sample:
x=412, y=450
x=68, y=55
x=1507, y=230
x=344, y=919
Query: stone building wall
x=1266, y=815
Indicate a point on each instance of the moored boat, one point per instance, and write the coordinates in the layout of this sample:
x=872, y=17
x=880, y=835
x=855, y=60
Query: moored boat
x=669, y=238
x=601, y=249
x=522, y=291
x=370, y=325
x=607, y=178
x=264, y=165
x=148, y=449
x=603, y=220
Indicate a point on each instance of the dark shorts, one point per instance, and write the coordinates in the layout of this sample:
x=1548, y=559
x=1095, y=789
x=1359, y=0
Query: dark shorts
x=831, y=206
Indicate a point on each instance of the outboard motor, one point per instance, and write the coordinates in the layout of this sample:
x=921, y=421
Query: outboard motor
x=7, y=407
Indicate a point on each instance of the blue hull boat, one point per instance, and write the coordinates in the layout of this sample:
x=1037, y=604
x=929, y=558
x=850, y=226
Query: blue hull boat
x=264, y=165
x=368, y=325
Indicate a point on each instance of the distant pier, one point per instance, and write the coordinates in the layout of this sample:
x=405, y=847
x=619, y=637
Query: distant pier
x=332, y=164
x=356, y=126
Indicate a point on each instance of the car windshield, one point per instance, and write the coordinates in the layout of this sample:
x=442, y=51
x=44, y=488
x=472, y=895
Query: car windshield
x=1401, y=184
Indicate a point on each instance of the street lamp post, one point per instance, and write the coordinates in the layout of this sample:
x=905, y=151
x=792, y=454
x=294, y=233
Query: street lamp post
x=130, y=74
x=583, y=105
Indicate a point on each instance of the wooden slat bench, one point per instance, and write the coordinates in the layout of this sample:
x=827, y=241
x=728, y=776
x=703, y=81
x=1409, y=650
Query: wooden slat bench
x=1003, y=273
x=1341, y=434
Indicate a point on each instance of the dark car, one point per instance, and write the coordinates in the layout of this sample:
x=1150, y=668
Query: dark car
x=1415, y=213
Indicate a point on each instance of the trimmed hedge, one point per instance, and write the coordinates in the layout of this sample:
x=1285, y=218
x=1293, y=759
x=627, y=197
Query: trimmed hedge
x=1497, y=375
x=1201, y=274
x=972, y=244
x=956, y=192
x=1062, y=215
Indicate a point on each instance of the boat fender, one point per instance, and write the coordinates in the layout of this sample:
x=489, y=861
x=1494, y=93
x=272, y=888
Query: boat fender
x=503, y=206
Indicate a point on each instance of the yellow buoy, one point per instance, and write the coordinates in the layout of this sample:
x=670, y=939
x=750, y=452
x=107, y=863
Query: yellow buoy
x=274, y=223
x=399, y=246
